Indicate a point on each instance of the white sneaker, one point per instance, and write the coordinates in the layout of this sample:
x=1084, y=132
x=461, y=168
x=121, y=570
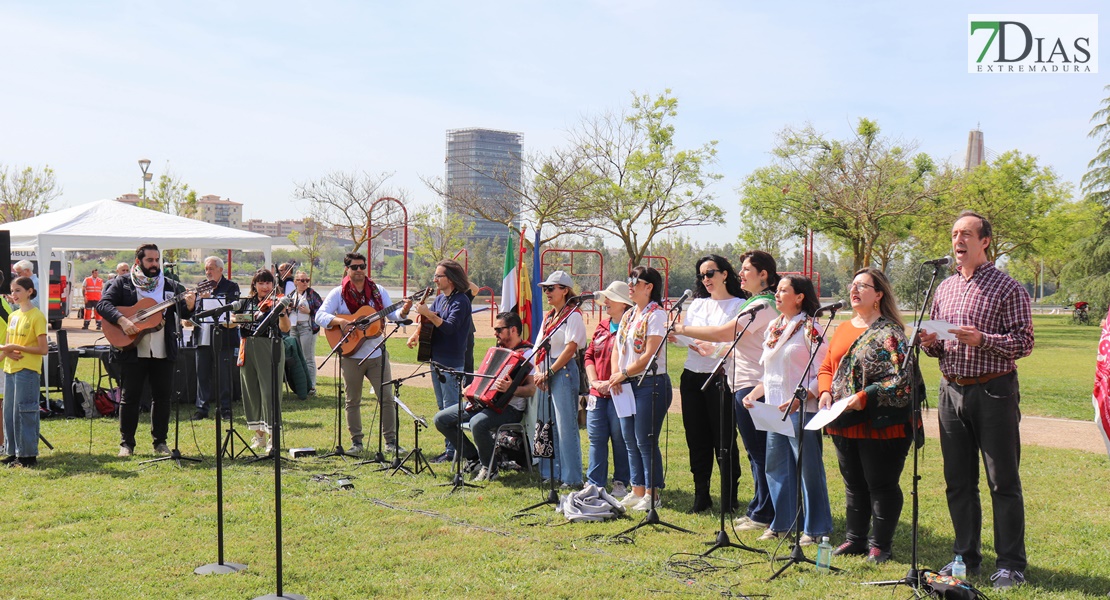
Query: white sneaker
x=257, y=442
x=619, y=490
x=746, y=523
x=482, y=475
x=645, y=503
x=630, y=500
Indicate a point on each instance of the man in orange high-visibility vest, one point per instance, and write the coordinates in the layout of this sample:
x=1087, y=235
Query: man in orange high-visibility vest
x=92, y=289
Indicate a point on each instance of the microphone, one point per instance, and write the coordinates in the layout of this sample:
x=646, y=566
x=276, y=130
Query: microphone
x=752, y=310
x=404, y=322
x=939, y=262
x=681, y=300
x=219, y=310
x=830, y=308
x=595, y=296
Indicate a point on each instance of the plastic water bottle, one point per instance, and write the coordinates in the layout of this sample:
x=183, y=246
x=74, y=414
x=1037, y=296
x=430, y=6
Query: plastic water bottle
x=959, y=569
x=824, y=555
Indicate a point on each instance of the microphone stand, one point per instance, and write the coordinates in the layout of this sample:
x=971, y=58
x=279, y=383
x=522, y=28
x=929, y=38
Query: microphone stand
x=910, y=365
x=339, y=450
x=722, y=540
x=220, y=567
x=652, y=516
x=797, y=556
x=457, y=480
x=175, y=454
x=545, y=344
x=379, y=458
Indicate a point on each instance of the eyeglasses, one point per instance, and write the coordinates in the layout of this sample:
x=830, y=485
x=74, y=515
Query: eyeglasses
x=549, y=288
x=633, y=281
x=711, y=273
x=859, y=286
x=438, y=276
x=358, y=267
x=301, y=280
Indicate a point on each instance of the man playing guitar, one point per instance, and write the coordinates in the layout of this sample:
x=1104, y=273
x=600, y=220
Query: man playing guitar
x=355, y=291
x=485, y=421
x=152, y=357
x=450, y=318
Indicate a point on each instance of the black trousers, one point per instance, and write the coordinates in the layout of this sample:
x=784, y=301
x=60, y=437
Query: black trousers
x=701, y=417
x=983, y=420
x=207, y=390
x=159, y=371
x=873, y=499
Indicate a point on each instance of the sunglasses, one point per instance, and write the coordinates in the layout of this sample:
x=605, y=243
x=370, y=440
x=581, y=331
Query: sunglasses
x=633, y=281
x=711, y=273
x=550, y=288
x=498, y=330
x=358, y=267
x=301, y=280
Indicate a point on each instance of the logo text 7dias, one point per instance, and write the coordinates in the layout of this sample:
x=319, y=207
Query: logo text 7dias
x=1032, y=44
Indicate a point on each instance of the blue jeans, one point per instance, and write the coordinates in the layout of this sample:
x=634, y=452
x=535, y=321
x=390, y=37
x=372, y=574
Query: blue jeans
x=21, y=413
x=563, y=390
x=644, y=428
x=782, y=456
x=760, y=509
x=447, y=394
x=483, y=426
x=602, y=425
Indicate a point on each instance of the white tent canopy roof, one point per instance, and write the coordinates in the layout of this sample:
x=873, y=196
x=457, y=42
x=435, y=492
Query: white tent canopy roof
x=112, y=225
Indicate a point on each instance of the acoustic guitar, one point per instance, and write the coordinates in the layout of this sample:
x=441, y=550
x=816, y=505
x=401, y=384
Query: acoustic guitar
x=147, y=316
x=424, y=348
x=368, y=323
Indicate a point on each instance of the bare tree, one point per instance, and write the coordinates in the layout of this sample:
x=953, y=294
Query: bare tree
x=543, y=197
x=642, y=184
x=342, y=199
x=171, y=195
x=26, y=192
x=439, y=235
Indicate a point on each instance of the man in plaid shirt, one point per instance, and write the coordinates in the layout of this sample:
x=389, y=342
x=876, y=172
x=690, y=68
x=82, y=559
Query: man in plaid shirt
x=979, y=396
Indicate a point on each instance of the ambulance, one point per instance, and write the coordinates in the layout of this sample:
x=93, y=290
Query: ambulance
x=61, y=282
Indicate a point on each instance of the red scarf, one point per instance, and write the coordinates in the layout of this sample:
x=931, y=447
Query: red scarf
x=356, y=300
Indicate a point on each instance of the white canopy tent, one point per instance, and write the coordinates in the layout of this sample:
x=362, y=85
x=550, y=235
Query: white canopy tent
x=112, y=225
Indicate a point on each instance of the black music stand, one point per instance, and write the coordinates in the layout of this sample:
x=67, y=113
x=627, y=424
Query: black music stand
x=420, y=462
x=652, y=516
x=910, y=365
x=801, y=393
x=722, y=540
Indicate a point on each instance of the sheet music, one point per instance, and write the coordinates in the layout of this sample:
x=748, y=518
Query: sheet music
x=828, y=415
x=769, y=418
x=625, y=401
x=940, y=328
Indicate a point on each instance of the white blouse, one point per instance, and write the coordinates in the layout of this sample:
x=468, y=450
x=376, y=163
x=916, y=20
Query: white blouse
x=626, y=351
x=707, y=311
x=784, y=365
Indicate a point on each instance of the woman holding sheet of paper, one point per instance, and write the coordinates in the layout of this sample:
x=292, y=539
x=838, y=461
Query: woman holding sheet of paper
x=872, y=437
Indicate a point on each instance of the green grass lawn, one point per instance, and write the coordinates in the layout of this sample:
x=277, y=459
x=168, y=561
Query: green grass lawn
x=86, y=524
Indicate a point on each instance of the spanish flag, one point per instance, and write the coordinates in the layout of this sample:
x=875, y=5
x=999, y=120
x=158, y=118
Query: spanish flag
x=516, y=290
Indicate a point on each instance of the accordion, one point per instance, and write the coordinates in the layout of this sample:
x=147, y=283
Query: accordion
x=498, y=363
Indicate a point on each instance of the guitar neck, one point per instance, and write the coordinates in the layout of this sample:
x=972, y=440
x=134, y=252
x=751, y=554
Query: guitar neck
x=162, y=305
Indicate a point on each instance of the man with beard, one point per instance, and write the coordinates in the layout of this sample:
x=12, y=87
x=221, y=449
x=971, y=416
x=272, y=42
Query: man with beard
x=152, y=357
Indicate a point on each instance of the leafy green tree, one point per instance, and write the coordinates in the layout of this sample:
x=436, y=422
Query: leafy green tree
x=859, y=191
x=26, y=192
x=763, y=223
x=643, y=184
x=439, y=236
x=1096, y=181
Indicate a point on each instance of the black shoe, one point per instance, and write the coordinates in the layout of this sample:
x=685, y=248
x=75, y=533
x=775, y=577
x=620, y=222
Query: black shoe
x=200, y=415
x=85, y=326
x=225, y=414
x=7, y=460
x=878, y=556
x=442, y=458
x=850, y=549
x=702, y=502
x=25, y=461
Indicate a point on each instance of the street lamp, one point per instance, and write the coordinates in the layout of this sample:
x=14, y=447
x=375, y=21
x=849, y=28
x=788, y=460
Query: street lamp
x=144, y=164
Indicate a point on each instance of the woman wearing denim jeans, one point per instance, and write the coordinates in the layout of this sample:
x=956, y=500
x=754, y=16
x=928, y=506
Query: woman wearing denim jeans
x=602, y=424
x=640, y=333
x=562, y=379
x=786, y=351
x=302, y=313
x=22, y=353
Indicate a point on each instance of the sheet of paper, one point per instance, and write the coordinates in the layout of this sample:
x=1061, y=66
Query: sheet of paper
x=624, y=401
x=940, y=328
x=684, y=341
x=769, y=418
x=827, y=415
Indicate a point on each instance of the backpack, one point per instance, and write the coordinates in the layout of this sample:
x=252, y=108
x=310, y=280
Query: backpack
x=83, y=398
x=106, y=402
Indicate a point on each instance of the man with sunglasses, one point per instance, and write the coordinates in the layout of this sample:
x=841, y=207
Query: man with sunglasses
x=355, y=291
x=485, y=421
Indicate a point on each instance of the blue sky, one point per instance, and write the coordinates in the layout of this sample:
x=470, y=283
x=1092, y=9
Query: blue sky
x=245, y=98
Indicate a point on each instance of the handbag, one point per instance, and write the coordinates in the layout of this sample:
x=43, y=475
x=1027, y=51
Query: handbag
x=544, y=446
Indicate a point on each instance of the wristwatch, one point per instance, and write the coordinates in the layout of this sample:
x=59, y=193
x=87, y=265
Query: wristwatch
x=625, y=373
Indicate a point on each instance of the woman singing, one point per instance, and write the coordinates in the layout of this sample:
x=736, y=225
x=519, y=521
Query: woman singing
x=786, y=350
x=716, y=302
x=562, y=379
x=640, y=333
x=758, y=279
x=873, y=435
x=257, y=359
x=602, y=424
